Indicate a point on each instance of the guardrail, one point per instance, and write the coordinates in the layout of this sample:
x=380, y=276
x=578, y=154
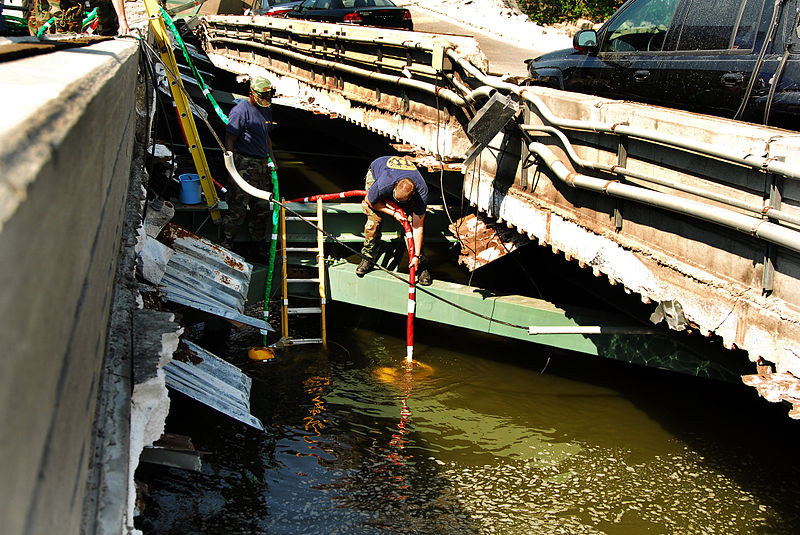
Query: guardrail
x=406, y=76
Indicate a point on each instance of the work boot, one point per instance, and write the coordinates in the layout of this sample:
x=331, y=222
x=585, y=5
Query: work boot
x=365, y=267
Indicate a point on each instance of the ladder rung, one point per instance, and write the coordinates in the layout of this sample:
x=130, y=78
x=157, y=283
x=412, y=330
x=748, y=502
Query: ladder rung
x=293, y=218
x=301, y=249
x=298, y=341
x=292, y=281
x=304, y=310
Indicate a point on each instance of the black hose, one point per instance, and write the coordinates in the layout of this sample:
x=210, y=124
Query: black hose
x=773, y=26
x=775, y=81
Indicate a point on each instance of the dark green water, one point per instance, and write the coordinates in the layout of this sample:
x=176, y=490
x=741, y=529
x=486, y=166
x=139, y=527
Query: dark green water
x=482, y=442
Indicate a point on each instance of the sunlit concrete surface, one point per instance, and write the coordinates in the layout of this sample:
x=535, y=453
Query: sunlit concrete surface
x=66, y=144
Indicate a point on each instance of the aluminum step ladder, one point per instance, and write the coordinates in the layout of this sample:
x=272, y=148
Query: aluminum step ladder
x=308, y=257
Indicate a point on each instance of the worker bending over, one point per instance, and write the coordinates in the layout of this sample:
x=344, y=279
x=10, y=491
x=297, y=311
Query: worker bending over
x=247, y=136
x=394, y=178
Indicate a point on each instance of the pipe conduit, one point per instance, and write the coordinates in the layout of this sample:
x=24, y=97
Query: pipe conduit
x=616, y=169
x=754, y=162
x=399, y=80
x=757, y=227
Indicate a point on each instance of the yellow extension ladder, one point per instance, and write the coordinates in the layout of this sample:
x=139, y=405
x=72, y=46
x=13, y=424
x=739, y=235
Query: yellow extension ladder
x=164, y=47
x=302, y=251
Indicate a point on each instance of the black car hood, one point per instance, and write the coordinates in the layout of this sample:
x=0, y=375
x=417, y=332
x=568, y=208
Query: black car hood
x=556, y=55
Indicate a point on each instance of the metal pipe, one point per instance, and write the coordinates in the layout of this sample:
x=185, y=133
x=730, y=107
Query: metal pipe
x=757, y=227
x=492, y=81
x=587, y=329
x=694, y=190
x=619, y=170
x=402, y=81
x=754, y=162
x=411, y=45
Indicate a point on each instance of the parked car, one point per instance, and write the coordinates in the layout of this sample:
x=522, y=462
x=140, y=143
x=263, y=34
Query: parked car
x=731, y=58
x=276, y=8
x=381, y=13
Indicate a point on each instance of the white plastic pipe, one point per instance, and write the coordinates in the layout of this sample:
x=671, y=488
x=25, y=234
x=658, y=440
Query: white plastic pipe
x=587, y=329
x=242, y=183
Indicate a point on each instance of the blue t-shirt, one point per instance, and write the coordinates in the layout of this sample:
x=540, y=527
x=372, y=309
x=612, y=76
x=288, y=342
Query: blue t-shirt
x=388, y=171
x=252, y=125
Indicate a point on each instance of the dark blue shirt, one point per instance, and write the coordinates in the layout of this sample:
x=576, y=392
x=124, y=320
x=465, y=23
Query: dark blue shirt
x=387, y=172
x=251, y=124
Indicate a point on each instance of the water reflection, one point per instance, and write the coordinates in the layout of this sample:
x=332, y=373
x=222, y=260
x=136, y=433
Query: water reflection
x=477, y=440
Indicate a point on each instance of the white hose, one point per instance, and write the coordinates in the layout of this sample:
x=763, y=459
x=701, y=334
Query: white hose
x=242, y=183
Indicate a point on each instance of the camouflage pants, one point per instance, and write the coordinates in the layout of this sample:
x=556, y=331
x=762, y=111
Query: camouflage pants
x=257, y=174
x=372, y=229
x=68, y=16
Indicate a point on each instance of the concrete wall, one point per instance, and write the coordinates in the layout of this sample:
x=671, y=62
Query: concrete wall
x=66, y=140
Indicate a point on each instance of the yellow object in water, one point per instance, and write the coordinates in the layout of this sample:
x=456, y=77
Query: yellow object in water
x=261, y=353
x=413, y=371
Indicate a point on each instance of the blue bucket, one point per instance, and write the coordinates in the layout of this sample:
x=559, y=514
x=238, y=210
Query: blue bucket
x=190, y=189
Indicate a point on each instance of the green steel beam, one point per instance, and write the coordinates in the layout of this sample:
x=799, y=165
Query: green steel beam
x=379, y=290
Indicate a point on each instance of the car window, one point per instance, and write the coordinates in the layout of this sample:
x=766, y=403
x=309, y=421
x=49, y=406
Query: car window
x=710, y=24
x=747, y=27
x=640, y=27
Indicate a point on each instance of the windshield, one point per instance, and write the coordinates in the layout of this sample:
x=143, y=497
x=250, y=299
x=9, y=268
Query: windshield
x=640, y=27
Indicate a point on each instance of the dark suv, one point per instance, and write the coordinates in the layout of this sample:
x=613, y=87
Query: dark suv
x=696, y=55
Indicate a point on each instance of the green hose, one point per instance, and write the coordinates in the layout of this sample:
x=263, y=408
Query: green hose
x=90, y=16
x=275, y=215
x=45, y=27
x=15, y=23
x=203, y=87
x=272, y=247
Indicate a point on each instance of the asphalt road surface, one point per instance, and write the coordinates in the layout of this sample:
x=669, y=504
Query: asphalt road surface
x=503, y=57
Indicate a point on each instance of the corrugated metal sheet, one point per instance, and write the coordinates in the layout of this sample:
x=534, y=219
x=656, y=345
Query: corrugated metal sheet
x=212, y=381
x=204, y=271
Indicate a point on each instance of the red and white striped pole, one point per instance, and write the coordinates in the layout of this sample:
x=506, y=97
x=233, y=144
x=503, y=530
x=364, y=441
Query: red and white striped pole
x=332, y=196
x=401, y=217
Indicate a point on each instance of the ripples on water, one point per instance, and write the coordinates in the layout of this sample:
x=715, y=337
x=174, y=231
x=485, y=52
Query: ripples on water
x=481, y=442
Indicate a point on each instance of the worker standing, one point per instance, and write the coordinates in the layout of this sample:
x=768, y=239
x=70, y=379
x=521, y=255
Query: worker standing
x=247, y=136
x=396, y=179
